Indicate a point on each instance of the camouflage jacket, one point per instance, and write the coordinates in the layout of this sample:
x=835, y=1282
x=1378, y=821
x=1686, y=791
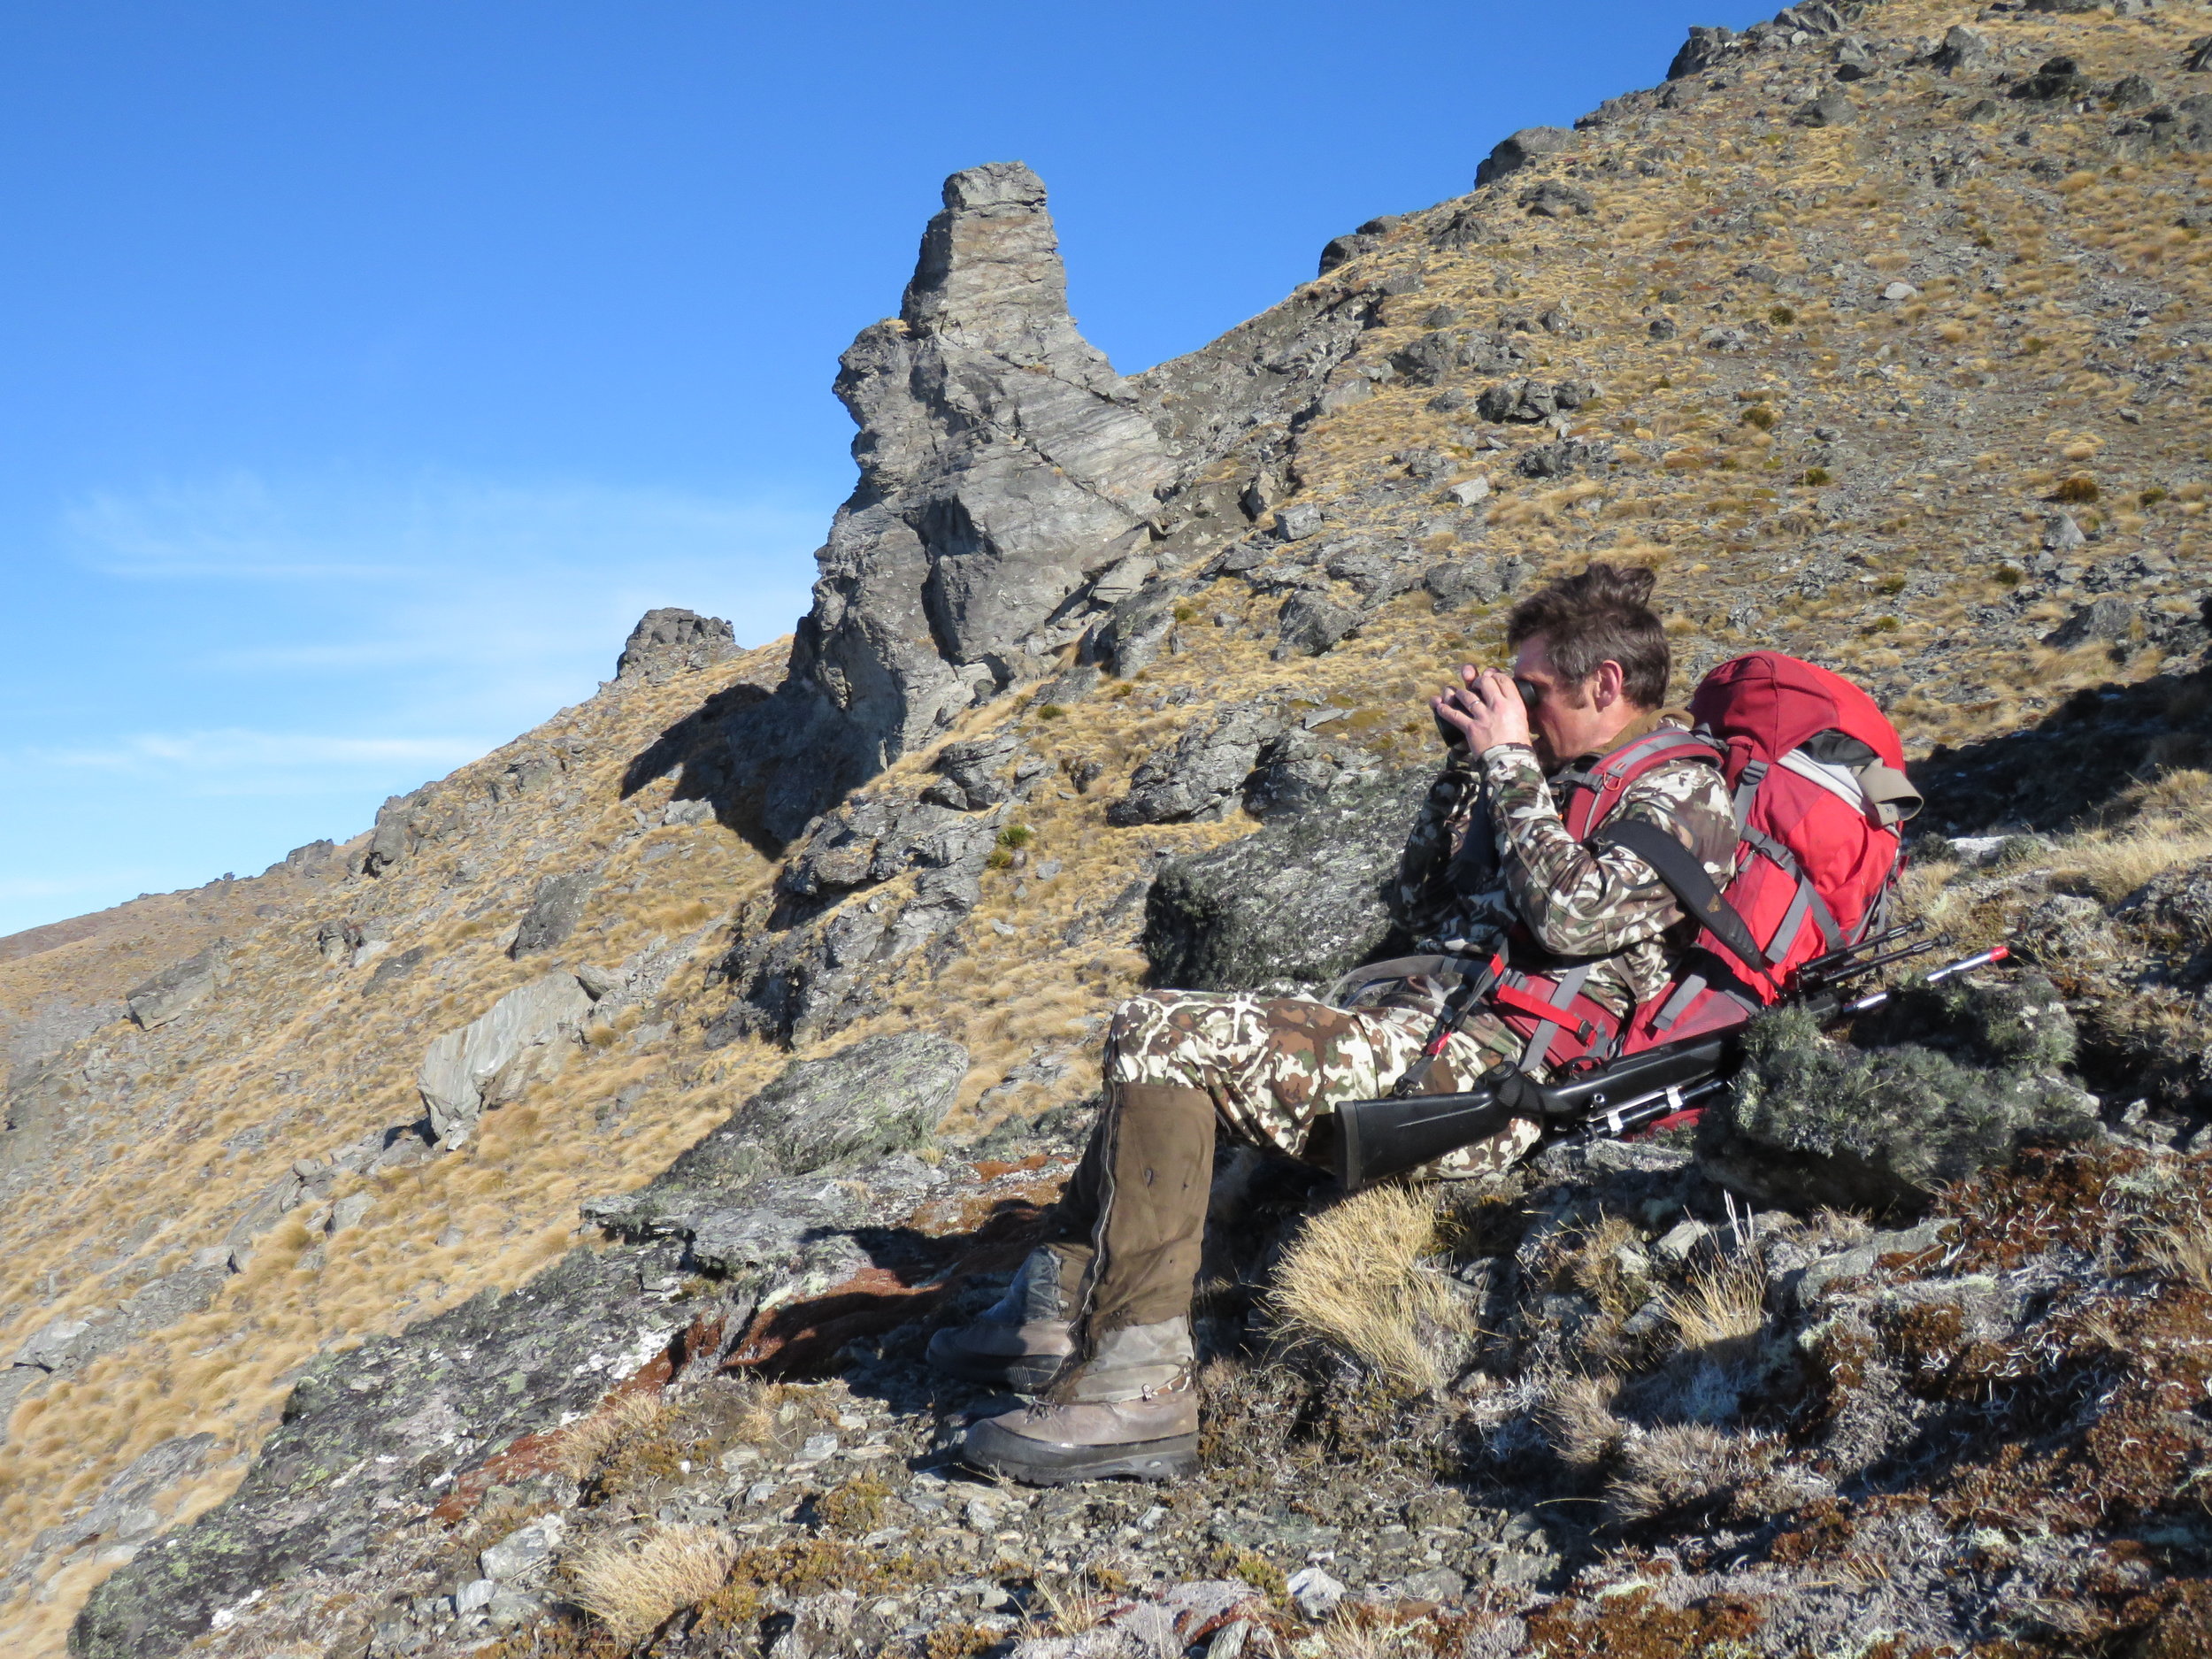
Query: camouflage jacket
x=1489, y=850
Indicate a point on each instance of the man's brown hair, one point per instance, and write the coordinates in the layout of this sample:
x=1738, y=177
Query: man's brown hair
x=1601, y=615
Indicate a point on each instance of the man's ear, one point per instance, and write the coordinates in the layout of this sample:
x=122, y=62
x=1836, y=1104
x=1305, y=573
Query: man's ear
x=1605, y=685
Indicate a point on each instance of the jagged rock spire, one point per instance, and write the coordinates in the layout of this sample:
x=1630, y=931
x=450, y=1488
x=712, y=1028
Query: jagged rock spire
x=1003, y=464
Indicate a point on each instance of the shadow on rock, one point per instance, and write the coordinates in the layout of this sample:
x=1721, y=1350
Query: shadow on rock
x=912, y=1276
x=697, y=749
x=2072, y=762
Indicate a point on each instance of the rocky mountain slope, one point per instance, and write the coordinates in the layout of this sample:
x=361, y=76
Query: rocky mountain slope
x=520, y=1224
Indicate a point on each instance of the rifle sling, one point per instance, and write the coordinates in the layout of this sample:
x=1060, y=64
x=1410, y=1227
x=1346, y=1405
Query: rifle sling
x=1685, y=877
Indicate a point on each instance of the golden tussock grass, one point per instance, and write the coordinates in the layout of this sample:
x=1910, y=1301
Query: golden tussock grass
x=2151, y=829
x=588, y=1442
x=1720, y=1302
x=1071, y=1608
x=634, y=1588
x=2185, y=1252
x=1354, y=1278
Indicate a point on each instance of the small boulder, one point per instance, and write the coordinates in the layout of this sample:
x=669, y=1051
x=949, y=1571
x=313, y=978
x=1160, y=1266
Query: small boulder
x=1552, y=199
x=181, y=987
x=523, y=1553
x=2110, y=617
x=1200, y=775
x=880, y=1095
x=492, y=1058
x=555, y=910
x=1515, y=153
x=1308, y=624
x=1293, y=906
x=1830, y=109
x=1962, y=48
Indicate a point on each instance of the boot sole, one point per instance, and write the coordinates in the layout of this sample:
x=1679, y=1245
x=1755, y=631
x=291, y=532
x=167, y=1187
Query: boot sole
x=1035, y=1464
x=1022, y=1375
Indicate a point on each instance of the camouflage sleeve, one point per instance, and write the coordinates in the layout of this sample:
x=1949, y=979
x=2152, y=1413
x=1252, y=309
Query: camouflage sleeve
x=1423, y=893
x=1581, y=904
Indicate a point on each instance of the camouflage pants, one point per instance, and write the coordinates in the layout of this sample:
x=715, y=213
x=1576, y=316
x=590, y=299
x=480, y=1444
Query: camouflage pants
x=1273, y=1067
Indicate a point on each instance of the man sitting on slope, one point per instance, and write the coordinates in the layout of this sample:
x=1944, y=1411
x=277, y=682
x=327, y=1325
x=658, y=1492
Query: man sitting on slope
x=1099, y=1318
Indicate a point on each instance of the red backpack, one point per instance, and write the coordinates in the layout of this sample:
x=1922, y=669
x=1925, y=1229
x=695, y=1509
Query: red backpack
x=1820, y=793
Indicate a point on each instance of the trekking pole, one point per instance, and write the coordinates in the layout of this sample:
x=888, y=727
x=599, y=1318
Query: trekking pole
x=1981, y=959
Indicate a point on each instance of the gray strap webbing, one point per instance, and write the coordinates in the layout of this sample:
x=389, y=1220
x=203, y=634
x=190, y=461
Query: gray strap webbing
x=1676, y=1005
x=1792, y=918
x=1823, y=919
x=1562, y=999
x=1748, y=784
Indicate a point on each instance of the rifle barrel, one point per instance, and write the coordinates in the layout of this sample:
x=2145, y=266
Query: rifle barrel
x=1921, y=949
x=1819, y=965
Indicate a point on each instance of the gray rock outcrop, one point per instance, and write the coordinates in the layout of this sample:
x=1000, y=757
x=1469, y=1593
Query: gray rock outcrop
x=493, y=1057
x=1003, y=464
x=177, y=989
x=1517, y=151
x=382, y=1428
x=878, y=1096
x=1016, y=496
x=670, y=640
x=1201, y=774
x=554, y=908
x=812, y=964
x=1291, y=907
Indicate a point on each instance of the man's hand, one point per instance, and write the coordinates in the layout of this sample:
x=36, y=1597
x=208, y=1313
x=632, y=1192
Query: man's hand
x=1486, y=710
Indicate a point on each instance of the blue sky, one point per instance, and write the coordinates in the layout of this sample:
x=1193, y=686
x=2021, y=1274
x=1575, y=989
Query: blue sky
x=373, y=364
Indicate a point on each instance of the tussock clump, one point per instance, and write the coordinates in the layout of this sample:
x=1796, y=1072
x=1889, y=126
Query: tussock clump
x=623, y=1420
x=1948, y=1080
x=1578, y=1422
x=1721, y=1303
x=1355, y=1279
x=633, y=1588
x=1692, y=1469
x=2183, y=1252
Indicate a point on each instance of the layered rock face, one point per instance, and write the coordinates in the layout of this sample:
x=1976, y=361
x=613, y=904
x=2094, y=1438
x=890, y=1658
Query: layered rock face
x=1015, y=495
x=1003, y=464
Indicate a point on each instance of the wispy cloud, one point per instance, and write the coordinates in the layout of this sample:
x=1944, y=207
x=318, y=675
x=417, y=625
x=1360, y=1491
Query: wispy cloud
x=232, y=750
x=447, y=595
x=317, y=643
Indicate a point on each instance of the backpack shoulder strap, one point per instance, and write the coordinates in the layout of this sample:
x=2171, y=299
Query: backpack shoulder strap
x=1599, y=790
x=1679, y=867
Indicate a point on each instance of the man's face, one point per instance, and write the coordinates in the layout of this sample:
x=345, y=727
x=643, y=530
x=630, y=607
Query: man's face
x=1569, y=717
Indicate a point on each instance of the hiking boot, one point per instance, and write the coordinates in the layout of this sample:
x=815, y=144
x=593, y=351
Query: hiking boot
x=1130, y=1410
x=1021, y=1340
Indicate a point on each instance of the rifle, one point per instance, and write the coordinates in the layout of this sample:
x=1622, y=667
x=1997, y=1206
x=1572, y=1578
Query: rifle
x=1376, y=1138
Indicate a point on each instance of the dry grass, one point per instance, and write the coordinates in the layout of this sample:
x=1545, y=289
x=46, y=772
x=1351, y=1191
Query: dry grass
x=1353, y=1632
x=1689, y=1465
x=2148, y=830
x=1722, y=1302
x=635, y=1587
x=2184, y=1254
x=1355, y=1278
x=1576, y=1418
x=622, y=1420
x=1071, y=1606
